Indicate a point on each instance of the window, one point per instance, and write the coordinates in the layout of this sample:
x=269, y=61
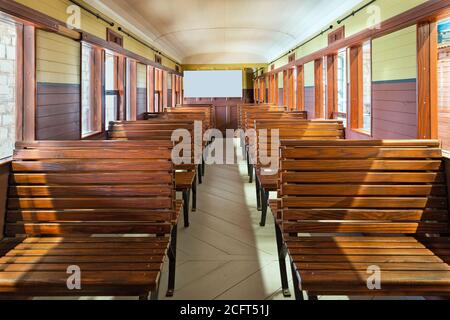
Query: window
x=367, y=87
x=8, y=85
x=90, y=113
x=444, y=85
x=111, y=92
x=128, y=90
x=342, y=86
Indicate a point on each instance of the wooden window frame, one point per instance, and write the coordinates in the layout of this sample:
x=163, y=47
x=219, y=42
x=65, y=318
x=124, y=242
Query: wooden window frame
x=319, y=112
x=300, y=88
x=357, y=89
x=285, y=87
x=290, y=89
x=332, y=97
x=427, y=77
x=97, y=61
x=276, y=88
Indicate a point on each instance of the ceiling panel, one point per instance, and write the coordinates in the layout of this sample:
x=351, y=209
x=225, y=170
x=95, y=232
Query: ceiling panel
x=259, y=30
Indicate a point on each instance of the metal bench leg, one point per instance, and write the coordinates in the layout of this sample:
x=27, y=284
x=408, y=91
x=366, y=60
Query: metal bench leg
x=264, y=205
x=199, y=174
x=155, y=293
x=258, y=192
x=194, y=195
x=297, y=291
x=203, y=167
x=282, y=261
x=186, y=197
x=172, y=261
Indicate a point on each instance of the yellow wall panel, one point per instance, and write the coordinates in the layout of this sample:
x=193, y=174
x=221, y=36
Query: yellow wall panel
x=57, y=59
x=390, y=63
x=309, y=74
x=89, y=23
x=394, y=57
x=141, y=76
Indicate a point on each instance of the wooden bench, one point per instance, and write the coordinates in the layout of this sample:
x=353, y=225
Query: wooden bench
x=183, y=117
x=366, y=205
x=60, y=197
x=185, y=177
x=208, y=110
x=266, y=182
x=275, y=116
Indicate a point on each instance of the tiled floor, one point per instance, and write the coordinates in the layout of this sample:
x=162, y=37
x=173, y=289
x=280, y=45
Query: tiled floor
x=225, y=254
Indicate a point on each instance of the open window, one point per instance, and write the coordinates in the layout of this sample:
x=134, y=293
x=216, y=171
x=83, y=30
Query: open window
x=10, y=73
x=91, y=105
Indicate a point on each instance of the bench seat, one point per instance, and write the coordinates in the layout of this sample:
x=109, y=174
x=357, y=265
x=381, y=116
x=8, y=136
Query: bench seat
x=376, y=213
x=331, y=264
x=109, y=265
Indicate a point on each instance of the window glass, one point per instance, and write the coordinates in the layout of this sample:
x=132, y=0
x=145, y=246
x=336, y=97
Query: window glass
x=342, y=87
x=8, y=69
x=111, y=101
x=88, y=114
x=367, y=85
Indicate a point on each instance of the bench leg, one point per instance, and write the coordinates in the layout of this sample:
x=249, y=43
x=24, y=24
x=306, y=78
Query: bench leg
x=194, y=195
x=172, y=261
x=154, y=295
x=244, y=151
x=199, y=174
x=258, y=192
x=186, y=196
x=264, y=206
x=203, y=167
x=282, y=261
x=297, y=291
x=250, y=172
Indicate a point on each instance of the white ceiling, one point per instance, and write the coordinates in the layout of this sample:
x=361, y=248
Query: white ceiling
x=224, y=31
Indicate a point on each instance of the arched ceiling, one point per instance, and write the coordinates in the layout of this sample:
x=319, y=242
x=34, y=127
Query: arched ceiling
x=224, y=31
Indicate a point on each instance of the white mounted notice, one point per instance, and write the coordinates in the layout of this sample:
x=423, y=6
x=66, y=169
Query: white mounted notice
x=213, y=84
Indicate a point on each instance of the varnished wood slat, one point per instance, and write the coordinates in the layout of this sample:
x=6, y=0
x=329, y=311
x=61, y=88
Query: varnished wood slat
x=365, y=214
x=34, y=154
x=90, y=191
x=87, y=178
x=361, y=153
x=83, y=266
x=364, y=190
x=89, y=203
x=363, y=177
x=366, y=227
x=89, y=215
x=88, y=165
x=364, y=202
x=360, y=165
x=86, y=228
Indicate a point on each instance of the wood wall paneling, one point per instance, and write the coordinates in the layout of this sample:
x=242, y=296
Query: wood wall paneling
x=58, y=111
x=427, y=56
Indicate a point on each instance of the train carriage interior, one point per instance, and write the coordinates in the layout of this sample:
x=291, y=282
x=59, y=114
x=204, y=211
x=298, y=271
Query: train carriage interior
x=237, y=150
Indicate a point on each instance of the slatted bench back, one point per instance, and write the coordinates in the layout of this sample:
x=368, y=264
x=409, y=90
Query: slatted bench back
x=274, y=116
x=261, y=109
x=149, y=130
x=95, y=188
x=207, y=110
x=363, y=187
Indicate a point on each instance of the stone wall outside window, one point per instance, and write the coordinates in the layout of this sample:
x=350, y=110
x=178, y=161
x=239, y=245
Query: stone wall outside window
x=8, y=41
